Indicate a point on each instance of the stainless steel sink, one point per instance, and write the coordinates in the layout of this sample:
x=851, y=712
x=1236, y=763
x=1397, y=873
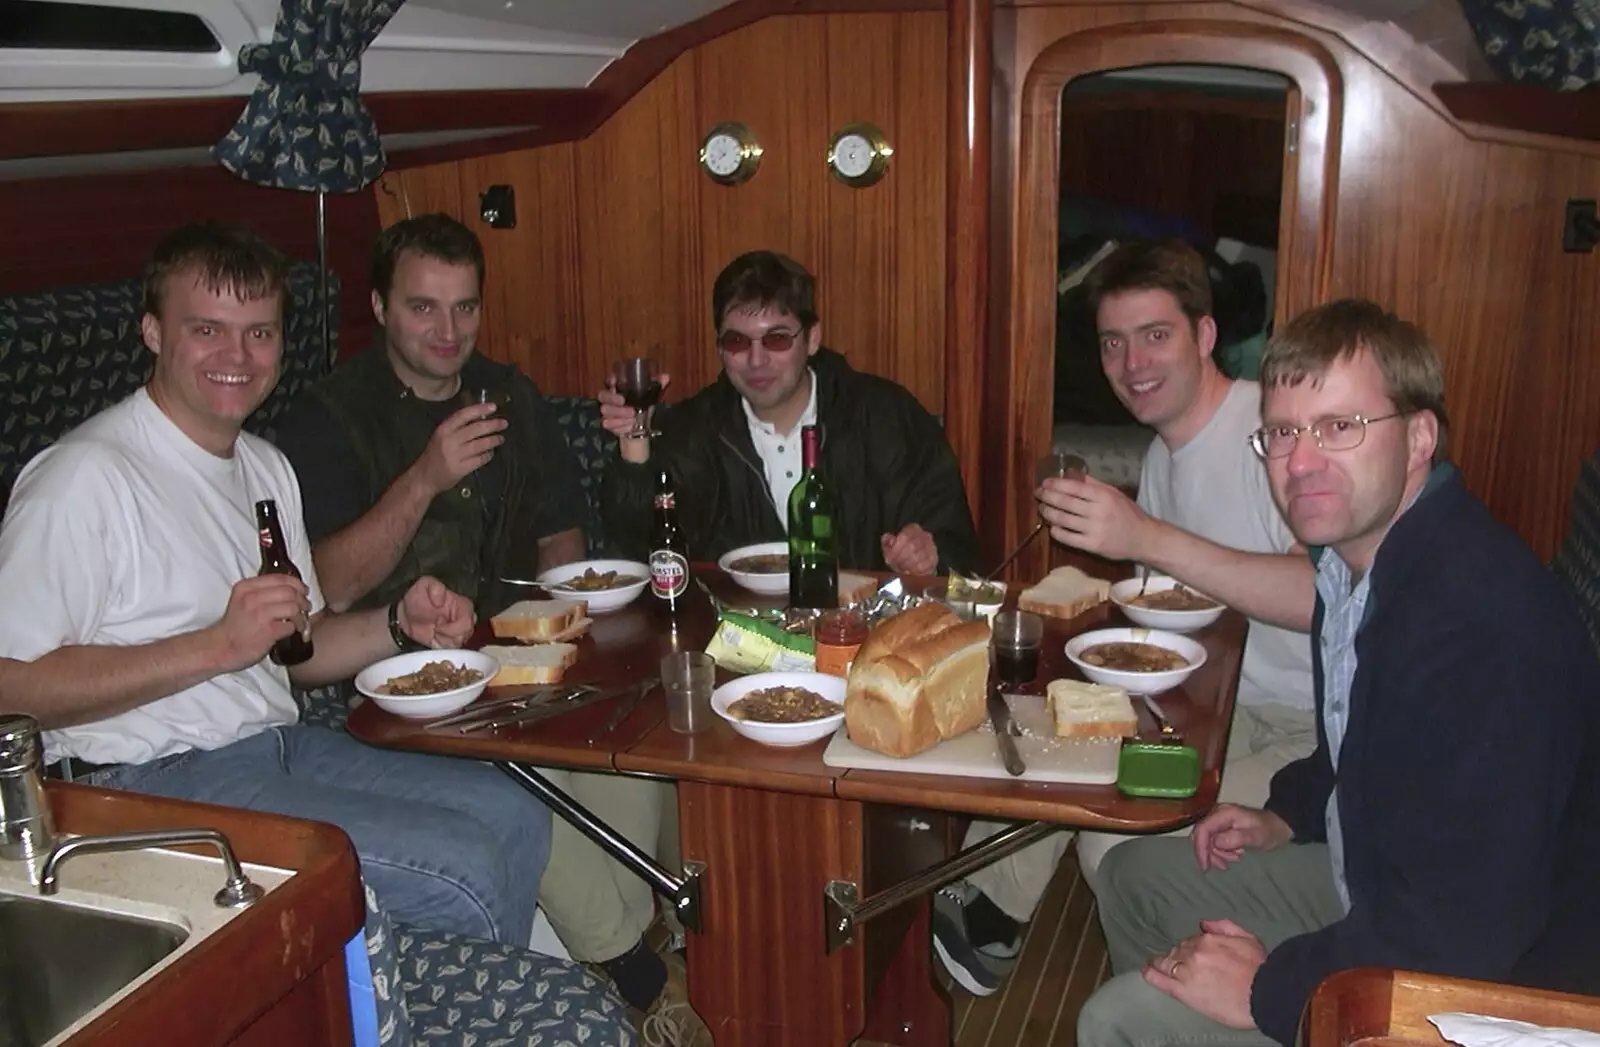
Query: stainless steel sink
x=59, y=961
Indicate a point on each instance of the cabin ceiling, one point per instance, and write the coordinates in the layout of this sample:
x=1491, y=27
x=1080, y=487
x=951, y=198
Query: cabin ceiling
x=480, y=45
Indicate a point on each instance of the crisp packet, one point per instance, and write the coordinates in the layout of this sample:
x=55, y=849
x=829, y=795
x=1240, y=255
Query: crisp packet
x=743, y=644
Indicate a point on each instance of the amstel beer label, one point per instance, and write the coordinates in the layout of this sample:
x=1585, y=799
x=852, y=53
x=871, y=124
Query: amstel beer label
x=669, y=574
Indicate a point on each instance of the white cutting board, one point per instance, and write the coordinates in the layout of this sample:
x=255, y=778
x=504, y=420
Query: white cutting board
x=974, y=755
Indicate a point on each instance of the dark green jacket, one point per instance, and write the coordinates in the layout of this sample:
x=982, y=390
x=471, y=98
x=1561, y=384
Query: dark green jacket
x=885, y=457
x=355, y=432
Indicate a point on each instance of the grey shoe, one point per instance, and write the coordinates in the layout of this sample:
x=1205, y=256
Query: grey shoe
x=980, y=971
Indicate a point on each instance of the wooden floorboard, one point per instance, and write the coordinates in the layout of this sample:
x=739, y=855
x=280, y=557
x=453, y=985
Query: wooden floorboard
x=1063, y=959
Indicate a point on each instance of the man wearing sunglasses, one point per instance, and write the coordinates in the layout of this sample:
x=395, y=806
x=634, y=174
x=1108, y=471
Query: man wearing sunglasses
x=1449, y=818
x=733, y=448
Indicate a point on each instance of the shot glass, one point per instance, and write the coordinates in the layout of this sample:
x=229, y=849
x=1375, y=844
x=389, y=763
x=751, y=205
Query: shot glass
x=687, y=679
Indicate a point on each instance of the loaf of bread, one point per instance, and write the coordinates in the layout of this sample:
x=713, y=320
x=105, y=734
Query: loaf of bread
x=537, y=621
x=530, y=664
x=918, y=679
x=1090, y=710
x=1065, y=592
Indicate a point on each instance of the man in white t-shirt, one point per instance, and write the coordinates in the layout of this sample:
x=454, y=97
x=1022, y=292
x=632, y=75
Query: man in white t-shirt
x=136, y=630
x=1205, y=515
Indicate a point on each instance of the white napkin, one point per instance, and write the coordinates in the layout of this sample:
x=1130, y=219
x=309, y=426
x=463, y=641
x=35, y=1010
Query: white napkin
x=1477, y=1030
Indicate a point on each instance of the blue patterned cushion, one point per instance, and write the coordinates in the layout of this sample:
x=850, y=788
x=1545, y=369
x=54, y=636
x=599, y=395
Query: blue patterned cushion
x=326, y=706
x=439, y=988
x=1553, y=43
x=1578, y=561
x=67, y=354
x=467, y=991
x=593, y=447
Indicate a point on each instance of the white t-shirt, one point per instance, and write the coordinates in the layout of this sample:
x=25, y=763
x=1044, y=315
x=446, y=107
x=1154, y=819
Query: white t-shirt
x=781, y=453
x=1217, y=488
x=126, y=532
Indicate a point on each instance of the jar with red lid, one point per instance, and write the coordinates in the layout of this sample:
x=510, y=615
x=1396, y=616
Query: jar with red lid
x=839, y=634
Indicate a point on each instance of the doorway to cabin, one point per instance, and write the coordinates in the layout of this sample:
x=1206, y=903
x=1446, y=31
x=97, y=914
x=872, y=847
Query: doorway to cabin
x=1192, y=152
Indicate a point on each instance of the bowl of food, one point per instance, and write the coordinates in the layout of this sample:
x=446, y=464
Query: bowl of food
x=420, y=685
x=1144, y=661
x=1163, y=602
x=604, y=585
x=760, y=568
x=782, y=709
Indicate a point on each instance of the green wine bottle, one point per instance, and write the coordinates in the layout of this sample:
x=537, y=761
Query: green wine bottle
x=813, y=562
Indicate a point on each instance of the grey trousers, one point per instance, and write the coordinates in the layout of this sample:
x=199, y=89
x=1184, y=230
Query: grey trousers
x=598, y=908
x=1152, y=895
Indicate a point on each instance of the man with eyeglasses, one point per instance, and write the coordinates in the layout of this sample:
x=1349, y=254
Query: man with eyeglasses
x=1449, y=819
x=1204, y=514
x=733, y=448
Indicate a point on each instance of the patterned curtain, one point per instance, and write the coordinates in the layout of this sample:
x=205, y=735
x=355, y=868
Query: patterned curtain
x=305, y=126
x=1551, y=43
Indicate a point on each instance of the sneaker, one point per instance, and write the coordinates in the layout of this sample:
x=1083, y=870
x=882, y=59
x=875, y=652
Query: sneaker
x=980, y=971
x=670, y=1021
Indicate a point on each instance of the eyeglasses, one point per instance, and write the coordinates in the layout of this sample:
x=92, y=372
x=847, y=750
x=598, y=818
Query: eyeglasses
x=777, y=341
x=1331, y=434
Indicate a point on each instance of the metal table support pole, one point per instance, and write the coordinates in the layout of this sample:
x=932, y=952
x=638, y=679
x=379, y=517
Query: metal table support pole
x=683, y=892
x=843, y=910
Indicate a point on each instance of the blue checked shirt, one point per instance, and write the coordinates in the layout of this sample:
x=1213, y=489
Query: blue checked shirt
x=1344, y=607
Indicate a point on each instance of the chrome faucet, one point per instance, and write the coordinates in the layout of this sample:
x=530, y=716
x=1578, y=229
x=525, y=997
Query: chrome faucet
x=27, y=829
x=237, y=893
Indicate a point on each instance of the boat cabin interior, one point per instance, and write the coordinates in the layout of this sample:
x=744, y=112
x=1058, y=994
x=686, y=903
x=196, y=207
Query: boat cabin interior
x=1440, y=157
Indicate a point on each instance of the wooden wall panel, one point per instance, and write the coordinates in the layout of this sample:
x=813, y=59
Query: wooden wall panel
x=620, y=236
x=59, y=232
x=1447, y=226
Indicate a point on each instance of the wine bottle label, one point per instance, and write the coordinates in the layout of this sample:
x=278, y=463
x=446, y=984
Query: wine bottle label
x=669, y=573
x=265, y=537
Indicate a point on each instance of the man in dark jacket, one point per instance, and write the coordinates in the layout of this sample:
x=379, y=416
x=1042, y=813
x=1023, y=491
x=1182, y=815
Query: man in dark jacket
x=733, y=448
x=1449, y=819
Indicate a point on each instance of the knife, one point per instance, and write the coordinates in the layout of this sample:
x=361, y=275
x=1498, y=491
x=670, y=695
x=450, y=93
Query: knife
x=624, y=708
x=493, y=707
x=543, y=710
x=1000, y=719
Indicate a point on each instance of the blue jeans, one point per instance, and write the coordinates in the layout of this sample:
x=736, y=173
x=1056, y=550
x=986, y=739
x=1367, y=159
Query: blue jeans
x=447, y=844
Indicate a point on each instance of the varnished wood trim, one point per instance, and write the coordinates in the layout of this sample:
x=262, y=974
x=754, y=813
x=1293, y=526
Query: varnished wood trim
x=31, y=129
x=1524, y=107
x=967, y=213
x=1305, y=223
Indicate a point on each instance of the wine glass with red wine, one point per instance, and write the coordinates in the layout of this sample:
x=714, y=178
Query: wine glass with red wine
x=639, y=384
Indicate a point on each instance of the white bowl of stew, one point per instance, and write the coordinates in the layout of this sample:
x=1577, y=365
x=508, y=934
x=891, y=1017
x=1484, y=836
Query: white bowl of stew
x=1145, y=661
x=1163, y=602
x=469, y=671
x=604, y=585
x=807, y=693
x=762, y=568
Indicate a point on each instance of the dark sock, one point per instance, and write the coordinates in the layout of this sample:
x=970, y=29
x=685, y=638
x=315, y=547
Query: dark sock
x=639, y=974
x=987, y=924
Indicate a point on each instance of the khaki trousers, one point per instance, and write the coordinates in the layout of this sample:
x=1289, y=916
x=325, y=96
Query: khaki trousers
x=1263, y=739
x=598, y=908
x=1153, y=895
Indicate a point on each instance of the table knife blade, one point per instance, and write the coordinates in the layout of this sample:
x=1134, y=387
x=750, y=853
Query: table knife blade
x=542, y=711
x=1000, y=719
x=495, y=706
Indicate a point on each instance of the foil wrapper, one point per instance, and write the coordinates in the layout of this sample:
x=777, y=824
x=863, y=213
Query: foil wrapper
x=890, y=599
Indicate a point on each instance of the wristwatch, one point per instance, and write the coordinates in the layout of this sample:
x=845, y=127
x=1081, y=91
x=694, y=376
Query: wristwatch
x=397, y=634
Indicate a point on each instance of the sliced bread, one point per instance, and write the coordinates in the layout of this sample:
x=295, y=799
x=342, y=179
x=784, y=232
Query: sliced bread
x=854, y=586
x=1065, y=592
x=1091, y=710
x=536, y=621
x=535, y=663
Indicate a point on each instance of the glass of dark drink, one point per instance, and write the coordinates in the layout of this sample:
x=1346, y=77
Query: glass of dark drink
x=1016, y=640
x=639, y=384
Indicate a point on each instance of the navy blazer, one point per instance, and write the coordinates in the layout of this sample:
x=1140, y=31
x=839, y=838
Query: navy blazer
x=1469, y=777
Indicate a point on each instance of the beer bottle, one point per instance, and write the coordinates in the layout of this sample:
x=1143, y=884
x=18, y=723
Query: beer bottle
x=813, y=561
x=296, y=647
x=669, y=553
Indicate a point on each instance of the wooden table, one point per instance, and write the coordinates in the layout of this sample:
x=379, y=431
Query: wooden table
x=774, y=827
